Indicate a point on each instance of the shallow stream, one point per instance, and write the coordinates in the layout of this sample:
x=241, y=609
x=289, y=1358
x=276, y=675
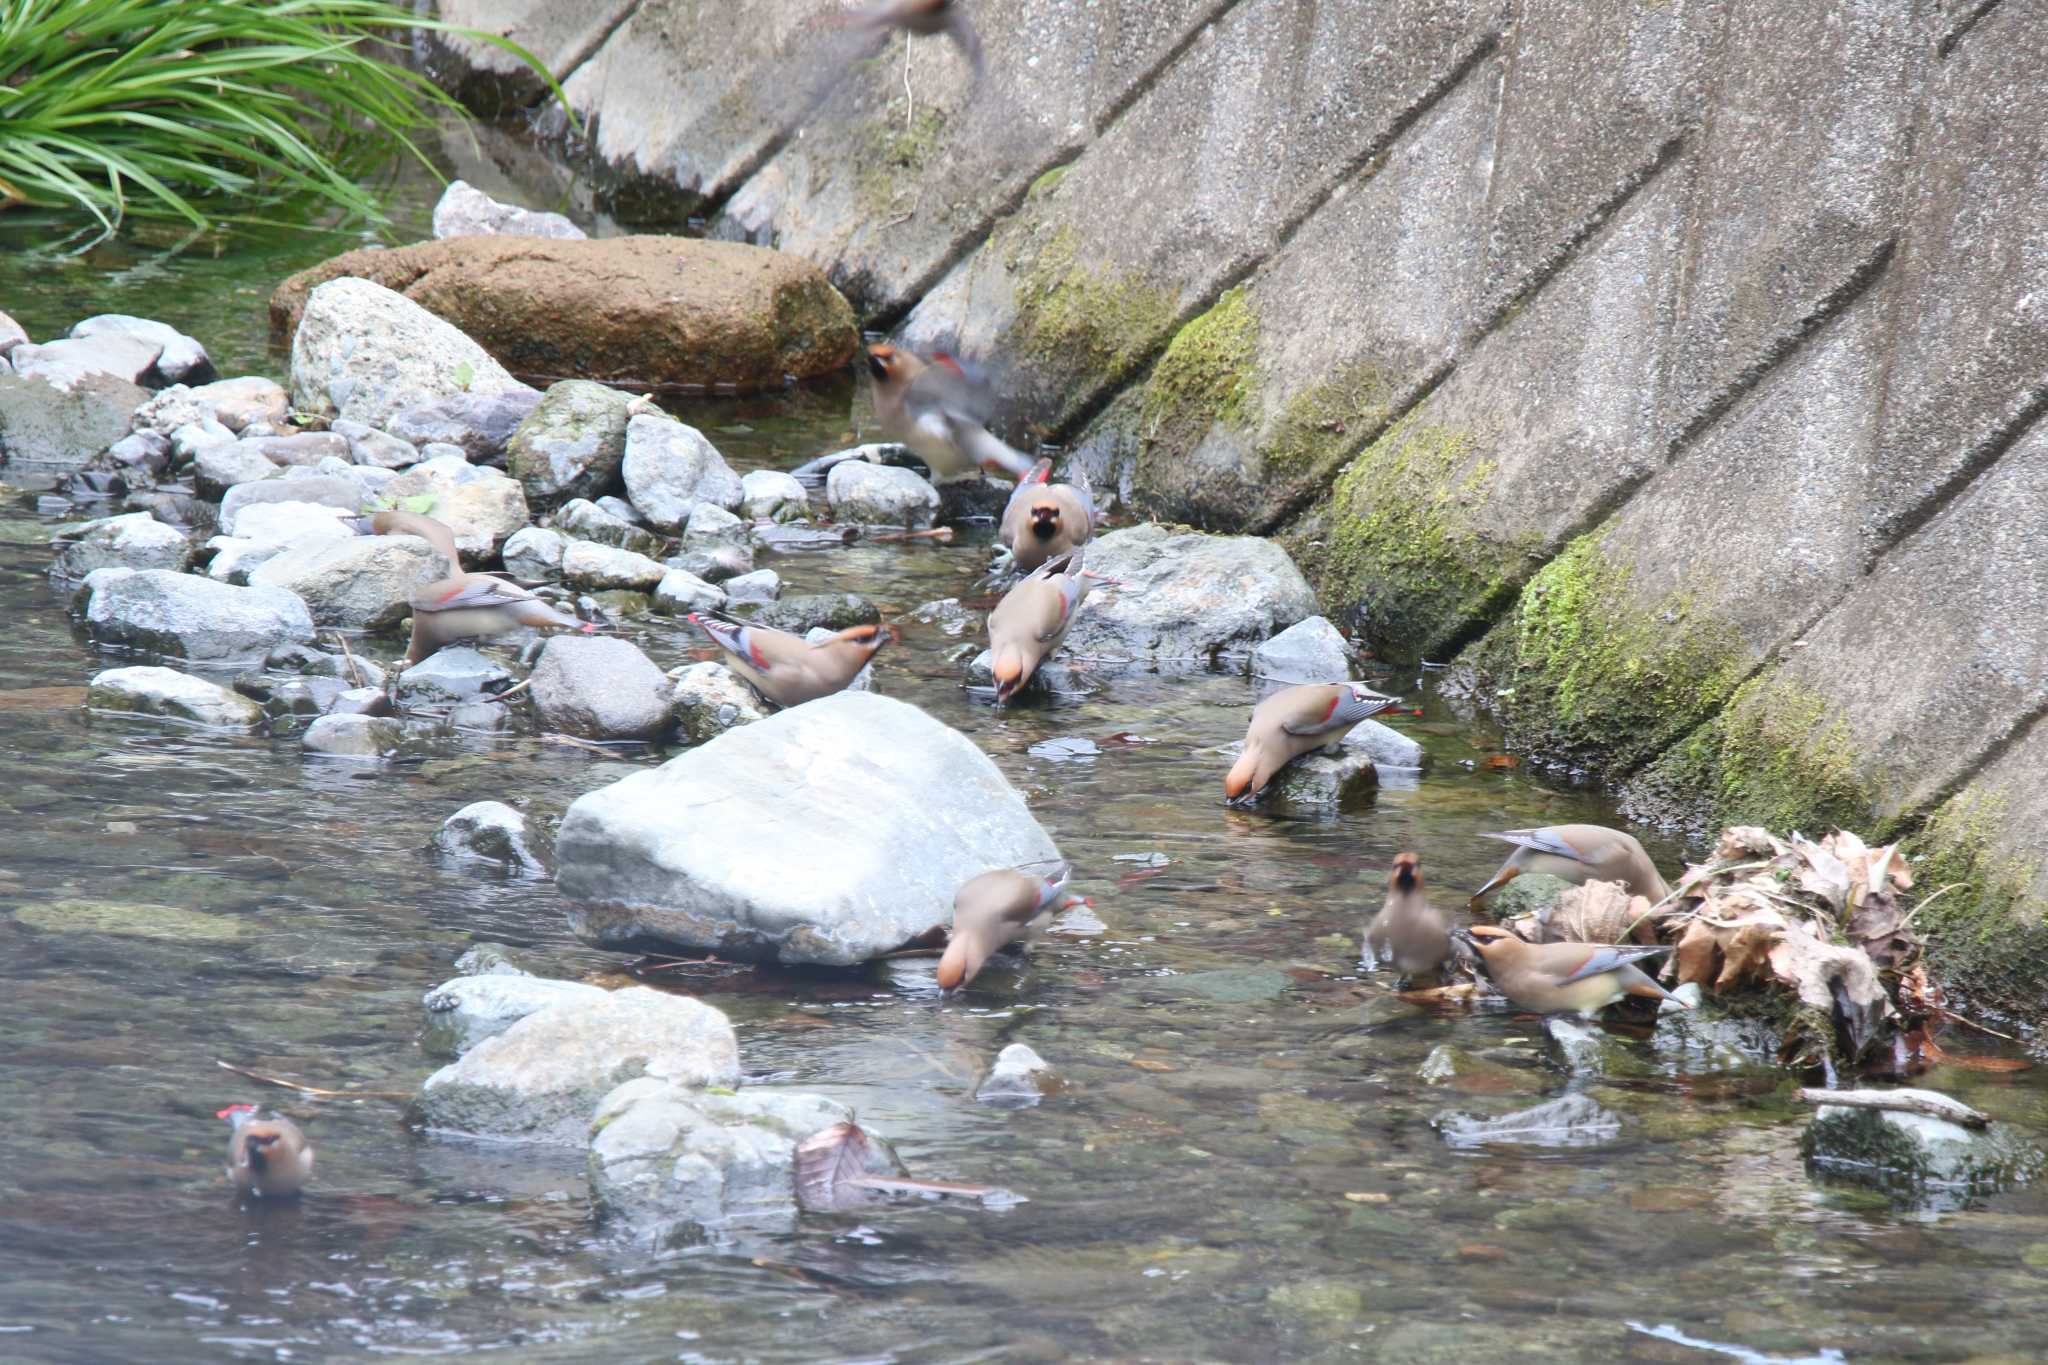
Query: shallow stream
x=1242, y=1165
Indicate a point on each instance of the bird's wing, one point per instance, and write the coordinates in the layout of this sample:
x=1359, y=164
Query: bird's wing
x=986, y=449
x=1541, y=840
x=474, y=590
x=1606, y=957
x=745, y=642
x=944, y=387
x=1346, y=709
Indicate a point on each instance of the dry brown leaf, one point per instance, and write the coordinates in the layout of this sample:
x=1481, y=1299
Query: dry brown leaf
x=1835, y=981
x=1821, y=873
x=1746, y=844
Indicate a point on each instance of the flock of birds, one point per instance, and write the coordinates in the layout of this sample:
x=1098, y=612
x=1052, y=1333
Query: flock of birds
x=934, y=408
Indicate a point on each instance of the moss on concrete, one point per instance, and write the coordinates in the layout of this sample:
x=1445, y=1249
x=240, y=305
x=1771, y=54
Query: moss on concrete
x=895, y=158
x=1208, y=371
x=1076, y=317
x=1397, y=552
x=1587, y=673
x=1047, y=183
x=1990, y=933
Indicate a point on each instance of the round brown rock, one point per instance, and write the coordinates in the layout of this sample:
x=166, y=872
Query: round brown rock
x=633, y=310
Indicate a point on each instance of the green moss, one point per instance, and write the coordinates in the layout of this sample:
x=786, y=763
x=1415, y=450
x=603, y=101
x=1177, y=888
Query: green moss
x=1587, y=672
x=895, y=157
x=1398, y=549
x=1990, y=933
x=1322, y=423
x=1047, y=183
x=1086, y=319
x=1208, y=370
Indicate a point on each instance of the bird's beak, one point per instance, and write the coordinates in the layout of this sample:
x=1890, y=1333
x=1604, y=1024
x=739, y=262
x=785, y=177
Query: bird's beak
x=1500, y=879
x=876, y=367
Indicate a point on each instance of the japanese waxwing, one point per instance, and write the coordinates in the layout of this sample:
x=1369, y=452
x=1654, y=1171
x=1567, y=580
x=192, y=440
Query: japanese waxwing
x=1032, y=619
x=1578, y=854
x=932, y=407
x=997, y=909
x=788, y=669
x=926, y=19
x=462, y=606
x=1044, y=519
x=267, y=1158
x=1552, y=978
x=1408, y=930
x=1295, y=721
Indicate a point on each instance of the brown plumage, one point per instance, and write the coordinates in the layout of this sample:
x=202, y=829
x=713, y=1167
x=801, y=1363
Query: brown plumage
x=267, y=1158
x=1032, y=619
x=926, y=19
x=931, y=407
x=1408, y=929
x=996, y=909
x=1295, y=721
x=462, y=606
x=1553, y=978
x=1045, y=519
x=788, y=669
x=1578, y=854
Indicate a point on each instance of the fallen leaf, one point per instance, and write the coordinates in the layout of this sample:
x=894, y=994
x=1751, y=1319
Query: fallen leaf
x=1501, y=762
x=1482, y=1251
x=838, y=1168
x=1147, y=1064
x=1369, y=1196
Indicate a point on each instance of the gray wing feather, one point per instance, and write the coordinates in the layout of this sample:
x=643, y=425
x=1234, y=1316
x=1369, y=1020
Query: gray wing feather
x=1608, y=957
x=1541, y=840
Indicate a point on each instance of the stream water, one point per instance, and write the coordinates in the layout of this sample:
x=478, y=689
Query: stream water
x=1242, y=1165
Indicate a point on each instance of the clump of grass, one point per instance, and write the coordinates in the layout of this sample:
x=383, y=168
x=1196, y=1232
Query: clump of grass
x=195, y=108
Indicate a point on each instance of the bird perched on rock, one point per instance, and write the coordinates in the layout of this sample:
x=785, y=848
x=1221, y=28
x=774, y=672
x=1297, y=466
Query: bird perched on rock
x=932, y=407
x=1044, y=519
x=1032, y=619
x=926, y=19
x=1552, y=978
x=997, y=909
x=267, y=1158
x=1295, y=721
x=1408, y=929
x=788, y=669
x=1577, y=854
x=463, y=605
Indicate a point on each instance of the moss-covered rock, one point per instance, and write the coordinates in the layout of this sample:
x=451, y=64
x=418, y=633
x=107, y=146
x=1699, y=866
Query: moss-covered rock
x=1584, y=672
x=1991, y=930
x=1081, y=316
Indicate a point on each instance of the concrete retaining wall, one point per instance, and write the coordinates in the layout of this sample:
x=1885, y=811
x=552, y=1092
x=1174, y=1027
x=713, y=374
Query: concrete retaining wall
x=1675, y=364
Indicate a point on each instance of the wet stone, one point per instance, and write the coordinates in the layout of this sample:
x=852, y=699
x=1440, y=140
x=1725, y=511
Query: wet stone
x=880, y=495
x=468, y=1009
x=455, y=674
x=489, y=959
x=136, y=540
x=1571, y=1121
x=600, y=568
x=1916, y=1153
x=760, y=586
x=716, y=564
x=830, y=610
x=771, y=495
x=1310, y=650
x=360, y=737
x=581, y=519
x=670, y=470
x=304, y=658
x=710, y=698
x=173, y=695
x=535, y=552
x=191, y=617
x=600, y=687
x=680, y=593
x=290, y=698
x=1019, y=1079
x=491, y=831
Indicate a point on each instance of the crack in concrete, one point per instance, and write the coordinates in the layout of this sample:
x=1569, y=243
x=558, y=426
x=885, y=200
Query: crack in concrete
x=1962, y=27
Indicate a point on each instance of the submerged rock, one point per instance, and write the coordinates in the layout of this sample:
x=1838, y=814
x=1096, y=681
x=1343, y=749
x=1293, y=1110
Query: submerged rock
x=829, y=833
x=539, y=1080
x=812, y=610
x=600, y=687
x=1186, y=596
x=670, y=469
x=668, y=1161
x=490, y=830
x=1905, y=1151
x=178, y=696
x=346, y=734
x=186, y=616
x=135, y=540
x=363, y=352
x=468, y=1009
x=1019, y=1079
x=1570, y=1121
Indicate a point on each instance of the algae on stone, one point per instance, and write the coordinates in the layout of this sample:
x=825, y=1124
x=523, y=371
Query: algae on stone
x=130, y=920
x=1992, y=930
x=1084, y=317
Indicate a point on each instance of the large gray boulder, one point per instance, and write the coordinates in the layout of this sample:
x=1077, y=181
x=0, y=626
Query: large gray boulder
x=668, y=1162
x=180, y=359
x=463, y=1012
x=572, y=444
x=600, y=687
x=186, y=616
x=670, y=468
x=829, y=833
x=535, y=552
x=772, y=495
x=366, y=353
x=169, y=693
x=466, y=211
x=135, y=540
x=364, y=582
x=1310, y=650
x=539, y=1080
x=1186, y=596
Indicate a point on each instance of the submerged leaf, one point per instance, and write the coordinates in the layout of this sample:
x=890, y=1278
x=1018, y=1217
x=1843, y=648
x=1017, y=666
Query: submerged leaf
x=838, y=1168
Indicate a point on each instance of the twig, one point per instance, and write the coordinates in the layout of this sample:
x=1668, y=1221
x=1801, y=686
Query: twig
x=574, y=743
x=510, y=692
x=284, y=1084
x=1937, y=1107
x=909, y=95
x=942, y=534
x=355, y=674
x=1927, y=901
x=1955, y=1018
